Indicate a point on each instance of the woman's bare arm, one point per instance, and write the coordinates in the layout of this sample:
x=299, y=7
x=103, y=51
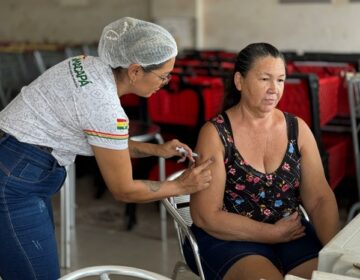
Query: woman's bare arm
x=317, y=196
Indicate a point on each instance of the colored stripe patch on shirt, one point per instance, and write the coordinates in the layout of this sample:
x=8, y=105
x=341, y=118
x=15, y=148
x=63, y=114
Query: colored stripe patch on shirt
x=107, y=135
x=122, y=124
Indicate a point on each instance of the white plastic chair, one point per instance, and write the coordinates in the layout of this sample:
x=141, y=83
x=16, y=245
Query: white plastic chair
x=178, y=208
x=320, y=275
x=104, y=271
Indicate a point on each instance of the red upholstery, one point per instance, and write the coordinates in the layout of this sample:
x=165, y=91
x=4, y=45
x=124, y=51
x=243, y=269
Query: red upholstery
x=321, y=69
x=180, y=104
x=130, y=100
x=336, y=146
x=325, y=69
x=328, y=98
x=296, y=100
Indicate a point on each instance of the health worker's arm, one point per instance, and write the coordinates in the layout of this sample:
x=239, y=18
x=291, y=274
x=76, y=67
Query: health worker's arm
x=116, y=169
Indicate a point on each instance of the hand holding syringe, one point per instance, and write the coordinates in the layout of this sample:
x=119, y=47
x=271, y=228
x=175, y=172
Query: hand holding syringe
x=184, y=153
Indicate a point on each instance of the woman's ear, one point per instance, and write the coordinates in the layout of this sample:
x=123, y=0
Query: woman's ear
x=134, y=71
x=238, y=81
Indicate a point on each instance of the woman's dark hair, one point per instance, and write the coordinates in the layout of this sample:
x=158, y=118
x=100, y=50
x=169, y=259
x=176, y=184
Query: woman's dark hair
x=243, y=63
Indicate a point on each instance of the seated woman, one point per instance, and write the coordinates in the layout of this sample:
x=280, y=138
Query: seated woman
x=247, y=223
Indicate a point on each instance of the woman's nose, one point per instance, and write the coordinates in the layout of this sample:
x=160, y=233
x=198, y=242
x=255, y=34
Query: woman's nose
x=273, y=87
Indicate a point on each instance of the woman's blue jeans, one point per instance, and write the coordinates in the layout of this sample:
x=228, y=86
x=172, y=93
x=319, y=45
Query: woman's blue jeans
x=29, y=176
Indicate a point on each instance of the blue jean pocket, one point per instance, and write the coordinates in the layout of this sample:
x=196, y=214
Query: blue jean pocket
x=31, y=172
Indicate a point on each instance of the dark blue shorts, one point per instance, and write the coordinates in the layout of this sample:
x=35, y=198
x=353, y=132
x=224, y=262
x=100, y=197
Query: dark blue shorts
x=217, y=256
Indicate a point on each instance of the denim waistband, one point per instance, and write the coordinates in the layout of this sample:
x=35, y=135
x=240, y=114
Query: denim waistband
x=43, y=152
x=47, y=149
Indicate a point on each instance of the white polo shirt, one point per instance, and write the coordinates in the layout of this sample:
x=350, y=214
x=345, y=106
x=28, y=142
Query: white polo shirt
x=71, y=106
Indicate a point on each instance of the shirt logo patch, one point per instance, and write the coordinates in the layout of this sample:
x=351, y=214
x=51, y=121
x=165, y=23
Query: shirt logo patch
x=78, y=71
x=122, y=124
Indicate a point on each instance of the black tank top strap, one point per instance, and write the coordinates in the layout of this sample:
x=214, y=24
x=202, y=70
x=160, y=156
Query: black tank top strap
x=223, y=126
x=230, y=144
x=227, y=123
x=292, y=129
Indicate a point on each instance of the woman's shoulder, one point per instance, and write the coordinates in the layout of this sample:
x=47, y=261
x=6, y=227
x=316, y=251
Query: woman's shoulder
x=220, y=123
x=94, y=63
x=303, y=130
x=212, y=126
x=280, y=115
x=209, y=134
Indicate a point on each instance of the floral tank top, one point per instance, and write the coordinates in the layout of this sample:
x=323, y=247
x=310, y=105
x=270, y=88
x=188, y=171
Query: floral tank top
x=265, y=197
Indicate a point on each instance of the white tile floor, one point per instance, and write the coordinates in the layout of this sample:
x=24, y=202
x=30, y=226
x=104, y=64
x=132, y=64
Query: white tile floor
x=100, y=237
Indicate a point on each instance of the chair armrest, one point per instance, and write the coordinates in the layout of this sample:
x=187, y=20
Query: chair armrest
x=103, y=272
x=185, y=229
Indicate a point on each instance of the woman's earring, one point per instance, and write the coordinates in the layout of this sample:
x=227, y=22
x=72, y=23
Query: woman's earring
x=132, y=82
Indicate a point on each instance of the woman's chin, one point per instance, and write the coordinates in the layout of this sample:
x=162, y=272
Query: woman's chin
x=151, y=93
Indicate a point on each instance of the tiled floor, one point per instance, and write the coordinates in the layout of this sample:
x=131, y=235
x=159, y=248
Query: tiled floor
x=100, y=237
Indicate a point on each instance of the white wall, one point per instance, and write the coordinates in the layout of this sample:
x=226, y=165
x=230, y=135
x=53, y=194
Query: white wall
x=302, y=27
x=172, y=8
x=177, y=16
x=63, y=21
x=228, y=24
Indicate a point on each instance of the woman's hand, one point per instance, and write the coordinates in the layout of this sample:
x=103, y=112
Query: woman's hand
x=288, y=228
x=171, y=148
